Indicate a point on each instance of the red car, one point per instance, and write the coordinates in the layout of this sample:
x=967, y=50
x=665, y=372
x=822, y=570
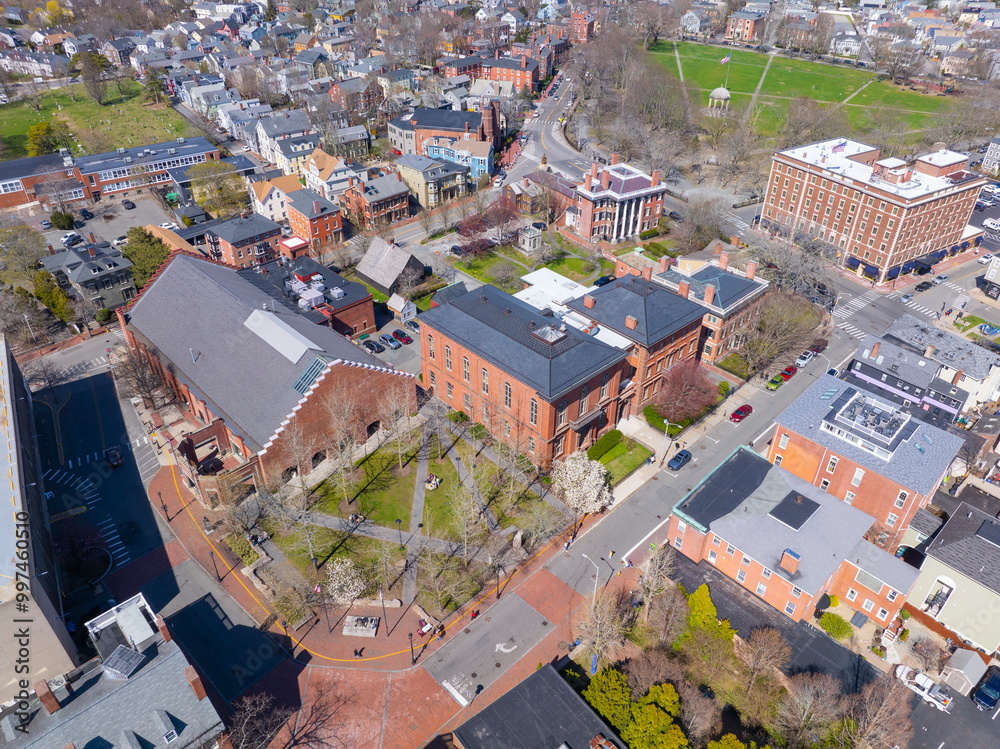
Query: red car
x=402, y=337
x=789, y=371
x=741, y=413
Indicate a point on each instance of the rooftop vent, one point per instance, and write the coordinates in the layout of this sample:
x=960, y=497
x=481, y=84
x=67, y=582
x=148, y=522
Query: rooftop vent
x=549, y=334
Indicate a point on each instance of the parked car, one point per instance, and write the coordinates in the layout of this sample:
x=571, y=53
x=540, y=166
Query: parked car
x=128, y=205
x=69, y=236
x=675, y=216
x=170, y=225
x=402, y=337
x=789, y=372
x=120, y=242
x=818, y=346
x=987, y=694
x=87, y=215
x=804, y=358
x=985, y=259
x=992, y=223
x=389, y=341
x=374, y=346
x=775, y=382
x=413, y=325
x=979, y=207
x=940, y=280
x=681, y=459
x=46, y=224
x=923, y=286
x=832, y=371
x=540, y=225
x=741, y=413
x=604, y=280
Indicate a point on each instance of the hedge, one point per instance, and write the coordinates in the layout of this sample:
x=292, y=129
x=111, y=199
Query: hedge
x=605, y=443
x=649, y=233
x=457, y=417
x=62, y=220
x=242, y=548
x=835, y=626
x=654, y=419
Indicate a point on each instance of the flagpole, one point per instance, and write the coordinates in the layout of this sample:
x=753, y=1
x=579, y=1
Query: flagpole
x=726, y=85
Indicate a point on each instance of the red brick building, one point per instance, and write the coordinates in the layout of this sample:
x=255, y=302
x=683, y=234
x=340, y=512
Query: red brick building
x=408, y=134
x=316, y=220
x=786, y=541
x=864, y=450
x=745, y=25
x=254, y=373
x=377, y=202
x=521, y=71
x=885, y=216
x=470, y=66
x=244, y=241
x=357, y=95
x=581, y=27
x=615, y=203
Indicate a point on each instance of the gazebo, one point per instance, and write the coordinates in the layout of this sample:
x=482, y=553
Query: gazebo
x=719, y=99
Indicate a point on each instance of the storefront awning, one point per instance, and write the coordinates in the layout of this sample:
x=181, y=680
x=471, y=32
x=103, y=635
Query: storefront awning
x=853, y=263
x=892, y=273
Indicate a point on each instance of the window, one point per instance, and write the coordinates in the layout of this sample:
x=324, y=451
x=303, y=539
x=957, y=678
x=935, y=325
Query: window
x=783, y=442
x=712, y=556
x=741, y=575
x=868, y=605
x=561, y=414
x=467, y=402
x=777, y=460
x=761, y=589
x=824, y=484
x=746, y=559
x=678, y=542
x=447, y=358
x=486, y=382
x=450, y=389
x=716, y=541
x=531, y=444
x=858, y=475
x=790, y=608
x=533, y=412
x=730, y=549
x=891, y=595
x=604, y=386
x=796, y=592
x=882, y=614
x=432, y=378
x=681, y=526
x=891, y=520
x=852, y=594
x=465, y=368
x=832, y=465
x=506, y=394
x=584, y=392
x=560, y=443
x=849, y=498
x=901, y=499
x=766, y=574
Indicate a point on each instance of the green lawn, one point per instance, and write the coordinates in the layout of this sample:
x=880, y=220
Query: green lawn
x=624, y=458
x=438, y=514
x=800, y=78
x=329, y=544
x=574, y=268
x=968, y=322
x=377, y=295
x=481, y=268
x=118, y=123
x=703, y=69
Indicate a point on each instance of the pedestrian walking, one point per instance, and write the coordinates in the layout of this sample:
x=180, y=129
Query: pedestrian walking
x=611, y=554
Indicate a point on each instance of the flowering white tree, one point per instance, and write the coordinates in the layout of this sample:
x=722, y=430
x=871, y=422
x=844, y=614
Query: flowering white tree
x=346, y=582
x=582, y=483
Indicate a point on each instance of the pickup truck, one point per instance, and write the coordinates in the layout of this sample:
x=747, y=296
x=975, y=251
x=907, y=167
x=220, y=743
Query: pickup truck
x=926, y=689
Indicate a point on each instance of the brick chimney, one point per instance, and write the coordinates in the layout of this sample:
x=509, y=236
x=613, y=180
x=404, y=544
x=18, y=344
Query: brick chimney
x=875, y=349
x=630, y=322
x=92, y=251
x=496, y=54
x=656, y=179
x=614, y=158
x=605, y=179
x=45, y=696
x=684, y=288
x=466, y=127
x=164, y=631
x=593, y=169
x=93, y=239
x=350, y=181
x=524, y=61
x=709, y=294
x=586, y=186
x=317, y=208
x=647, y=272
x=195, y=681
x=723, y=261
x=664, y=263
x=789, y=561
x=399, y=177
x=929, y=352
x=589, y=301
x=526, y=182
x=51, y=251
x=751, y=269
x=958, y=376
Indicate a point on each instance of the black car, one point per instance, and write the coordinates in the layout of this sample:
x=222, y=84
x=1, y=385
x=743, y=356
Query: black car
x=86, y=214
x=128, y=205
x=675, y=216
x=923, y=286
x=374, y=346
x=540, y=225
x=987, y=694
x=604, y=280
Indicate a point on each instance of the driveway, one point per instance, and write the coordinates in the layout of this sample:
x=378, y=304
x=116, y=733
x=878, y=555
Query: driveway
x=111, y=220
x=407, y=357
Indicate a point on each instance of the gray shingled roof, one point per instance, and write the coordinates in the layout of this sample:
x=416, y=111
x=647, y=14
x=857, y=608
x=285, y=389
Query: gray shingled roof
x=440, y=119
x=950, y=350
x=912, y=467
x=239, y=229
x=658, y=312
x=505, y=331
x=385, y=187
x=384, y=262
x=730, y=289
x=285, y=122
x=199, y=309
x=106, y=712
x=906, y=362
x=926, y=522
x=304, y=201
x=962, y=546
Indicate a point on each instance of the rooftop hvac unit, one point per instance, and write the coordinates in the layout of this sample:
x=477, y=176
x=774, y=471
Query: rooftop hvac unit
x=337, y=293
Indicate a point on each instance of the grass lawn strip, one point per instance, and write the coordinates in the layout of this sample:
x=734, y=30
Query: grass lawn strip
x=624, y=458
x=574, y=268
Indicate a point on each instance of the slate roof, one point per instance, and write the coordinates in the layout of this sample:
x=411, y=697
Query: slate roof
x=440, y=119
x=950, y=350
x=658, y=312
x=926, y=522
x=431, y=169
x=623, y=179
x=304, y=201
x=906, y=362
x=507, y=332
x=452, y=291
x=918, y=462
x=272, y=282
x=730, y=289
x=80, y=267
x=543, y=711
x=384, y=261
x=195, y=305
x=298, y=145
x=962, y=544
x=512, y=63
x=382, y=188
x=239, y=229
x=109, y=712
x=285, y=122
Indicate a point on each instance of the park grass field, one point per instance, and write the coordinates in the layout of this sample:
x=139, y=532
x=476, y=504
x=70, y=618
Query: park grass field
x=121, y=122
x=799, y=78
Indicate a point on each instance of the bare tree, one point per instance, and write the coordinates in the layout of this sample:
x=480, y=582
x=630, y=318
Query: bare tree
x=134, y=371
x=92, y=78
x=255, y=721
x=652, y=666
x=343, y=411
x=764, y=651
x=668, y=615
x=701, y=715
x=395, y=413
x=809, y=709
x=655, y=581
x=703, y=216
x=930, y=655
x=468, y=512
x=878, y=717
x=786, y=322
x=446, y=212
x=240, y=511
x=606, y=624
x=426, y=219
x=291, y=502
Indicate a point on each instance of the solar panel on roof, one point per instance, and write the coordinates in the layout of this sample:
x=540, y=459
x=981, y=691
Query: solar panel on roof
x=123, y=663
x=989, y=531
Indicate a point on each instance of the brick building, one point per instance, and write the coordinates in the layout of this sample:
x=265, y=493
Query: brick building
x=521, y=71
x=786, y=541
x=745, y=25
x=409, y=133
x=244, y=241
x=470, y=66
x=581, y=27
x=616, y=202
x=253, y=372
x=377, y=202
x=541, y=192
x=357, y=96
x=316, y=220
x=885, y=216
x=864, y=450
x=545, y=389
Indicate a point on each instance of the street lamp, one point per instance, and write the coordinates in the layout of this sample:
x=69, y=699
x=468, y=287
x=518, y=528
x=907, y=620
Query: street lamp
x=666, y=434
x=400, y=529
x=413, y=658
x=597, y=574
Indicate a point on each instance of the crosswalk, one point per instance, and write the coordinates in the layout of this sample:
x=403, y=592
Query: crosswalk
x=912, y=306
x=80, y=494
x=851, y=331
x=82, y=367
x=846, y=309
x=736, y=221
x=118, y=333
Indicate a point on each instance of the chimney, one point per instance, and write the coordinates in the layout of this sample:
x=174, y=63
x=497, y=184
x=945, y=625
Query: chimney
x=586, y=186
x=51, y=251
x=656, y=179
x=399, y=177
x=723, y=261
x=93, y=239
x=684, y=288
x=605, y=179
x=709, y=294
x=789, y=561
x=751, y=269
x=929, y=352
x=630, y=322
x=524, y=61
x=45, y=696
x=92, y=251
x=664, y=263
x=316, y=207
x=497, y=54
x=162, y=626
x=350, y=181
x=875, y=349
x=593, y=169
x=647, y=272
x=466, y=127
x=614, y=158
x=588, y=301
x=958, y=376
x=195, y=681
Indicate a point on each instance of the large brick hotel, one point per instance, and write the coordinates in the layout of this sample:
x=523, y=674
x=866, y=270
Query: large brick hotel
x=885, y=216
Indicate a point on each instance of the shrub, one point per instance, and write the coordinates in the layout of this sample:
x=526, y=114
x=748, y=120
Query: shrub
x=724, y=388
x=478, y=432
x=605, y=443
x=61, y=220
x=102, y=315
x=241, y=547
x=904, y=615
x=458, y=417
x=186, y=220
x=904, y=635
x=835, y=626
x=654, y=419
x=834, y=602
x=648, y=234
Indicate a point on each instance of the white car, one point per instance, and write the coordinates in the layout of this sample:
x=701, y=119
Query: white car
x=170, y=225
x=992, y=223
x=985, y=259
x=69, y=236
x=804, y=358
x=498, y=182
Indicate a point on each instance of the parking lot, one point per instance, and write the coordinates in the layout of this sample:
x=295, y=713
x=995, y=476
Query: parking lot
x=111, y=220
x=406, y=358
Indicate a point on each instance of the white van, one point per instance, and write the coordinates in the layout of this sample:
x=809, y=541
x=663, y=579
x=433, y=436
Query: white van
x=992, y=223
